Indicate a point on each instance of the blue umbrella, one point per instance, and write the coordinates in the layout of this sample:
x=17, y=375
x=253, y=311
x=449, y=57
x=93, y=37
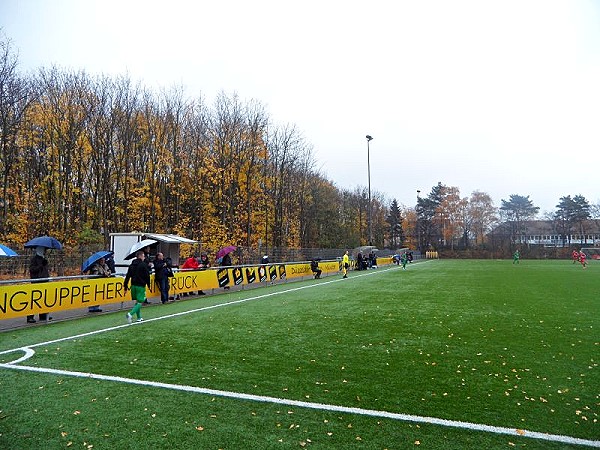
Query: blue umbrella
x=6, y=251
x=44, y=241
x=88, y=263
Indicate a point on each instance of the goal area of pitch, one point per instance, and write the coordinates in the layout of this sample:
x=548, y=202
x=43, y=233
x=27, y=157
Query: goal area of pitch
x=591, y=252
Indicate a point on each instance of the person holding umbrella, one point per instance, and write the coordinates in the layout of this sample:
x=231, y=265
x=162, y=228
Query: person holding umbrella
x=97, y=264
x=99, y=268
x=139, y=274
x=38, y=268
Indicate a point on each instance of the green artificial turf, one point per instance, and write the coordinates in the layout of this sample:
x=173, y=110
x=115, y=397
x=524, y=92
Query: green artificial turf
x=486, y=342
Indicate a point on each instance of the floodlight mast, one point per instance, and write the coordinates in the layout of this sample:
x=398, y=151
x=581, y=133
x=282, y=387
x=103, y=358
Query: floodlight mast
x=417, y=232
x=369, y=139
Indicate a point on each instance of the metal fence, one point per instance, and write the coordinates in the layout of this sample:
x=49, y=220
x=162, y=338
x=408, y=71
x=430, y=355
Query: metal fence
x=68, y=261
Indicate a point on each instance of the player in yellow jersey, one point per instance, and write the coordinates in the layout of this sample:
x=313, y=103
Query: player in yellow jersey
x=345, y=264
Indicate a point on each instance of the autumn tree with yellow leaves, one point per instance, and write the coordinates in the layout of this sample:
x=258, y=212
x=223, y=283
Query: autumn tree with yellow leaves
x=83, y=156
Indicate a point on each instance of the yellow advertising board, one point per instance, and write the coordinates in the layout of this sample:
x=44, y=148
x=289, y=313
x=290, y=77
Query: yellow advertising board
x=19, y=300
x=23, y=299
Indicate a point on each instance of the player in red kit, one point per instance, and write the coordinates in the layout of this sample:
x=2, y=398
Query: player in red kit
x=582, y=259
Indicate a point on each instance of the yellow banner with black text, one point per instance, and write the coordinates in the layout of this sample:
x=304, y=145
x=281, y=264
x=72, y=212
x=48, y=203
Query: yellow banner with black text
x=19, y=300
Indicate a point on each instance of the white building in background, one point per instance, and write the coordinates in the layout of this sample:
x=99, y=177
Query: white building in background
x=549, y=233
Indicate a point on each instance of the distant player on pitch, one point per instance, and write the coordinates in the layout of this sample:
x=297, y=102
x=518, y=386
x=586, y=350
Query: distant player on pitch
x=345, y=264
x=516, y=256
x=404, y=260
x=583, y=259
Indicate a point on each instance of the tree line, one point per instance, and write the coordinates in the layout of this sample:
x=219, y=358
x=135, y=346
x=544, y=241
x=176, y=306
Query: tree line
x=82, y=156
x=444, y=220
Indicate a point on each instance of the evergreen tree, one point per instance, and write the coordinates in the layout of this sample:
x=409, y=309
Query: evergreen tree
x=394, y=220
x=518, y=209
x=572, y=212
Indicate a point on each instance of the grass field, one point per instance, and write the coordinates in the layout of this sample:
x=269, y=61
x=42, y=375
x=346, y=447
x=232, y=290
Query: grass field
x=447, y=354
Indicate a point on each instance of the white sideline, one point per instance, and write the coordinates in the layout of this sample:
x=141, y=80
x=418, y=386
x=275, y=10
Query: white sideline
x=319, y=406
x=28, y=350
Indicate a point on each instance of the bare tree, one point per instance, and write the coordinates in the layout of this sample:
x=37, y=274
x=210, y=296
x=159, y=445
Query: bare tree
x=16, y=96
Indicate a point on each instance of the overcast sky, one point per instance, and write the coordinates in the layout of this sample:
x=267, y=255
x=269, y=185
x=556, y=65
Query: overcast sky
x=497, y=96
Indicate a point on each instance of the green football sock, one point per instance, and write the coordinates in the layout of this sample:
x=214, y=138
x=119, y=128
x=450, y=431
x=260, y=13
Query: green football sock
x=137, y=310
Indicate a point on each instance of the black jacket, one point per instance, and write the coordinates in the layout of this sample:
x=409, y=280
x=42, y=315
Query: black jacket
x=139, y=273
x=38, y=267
x=160, y=269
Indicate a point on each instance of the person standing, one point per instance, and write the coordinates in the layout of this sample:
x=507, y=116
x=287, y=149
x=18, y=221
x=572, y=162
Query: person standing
x=582, y=260
x=404, y=260
x=161, y=277
x=345, y=264
x=150, y=265
x=575, y=256
x=139, y=274
x=100, y=268
x=314, y=267
x=204, y=261
x=110, y=262
x=360, y=262
x=191, y=263
x=516, y=256
x=38, y=268
x=225, y=262
x=203, y=264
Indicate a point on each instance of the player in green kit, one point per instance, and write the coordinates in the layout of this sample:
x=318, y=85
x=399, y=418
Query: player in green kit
x=516, y=256
x=139, y=274
x=404, y=260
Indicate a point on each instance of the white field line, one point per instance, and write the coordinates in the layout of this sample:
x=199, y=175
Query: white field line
x=318, y=406
x=191, y=311
x=281, y=401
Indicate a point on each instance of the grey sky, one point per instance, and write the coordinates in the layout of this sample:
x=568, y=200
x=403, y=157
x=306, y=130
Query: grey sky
x=497, y=96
